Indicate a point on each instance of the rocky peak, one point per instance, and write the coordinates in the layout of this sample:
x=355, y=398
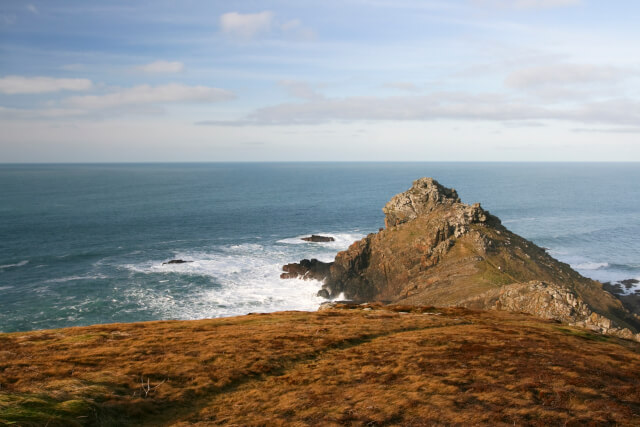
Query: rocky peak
x=424, y=195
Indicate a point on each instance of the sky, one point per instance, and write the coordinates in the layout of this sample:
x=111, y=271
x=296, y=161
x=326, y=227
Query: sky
x=297, y=80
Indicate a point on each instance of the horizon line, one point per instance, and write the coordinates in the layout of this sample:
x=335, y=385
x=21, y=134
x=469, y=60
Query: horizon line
x=308, y=162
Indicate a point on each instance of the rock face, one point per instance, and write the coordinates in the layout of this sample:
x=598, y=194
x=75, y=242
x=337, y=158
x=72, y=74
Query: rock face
x=420, y=199
x=316, y=238
x=436, y=250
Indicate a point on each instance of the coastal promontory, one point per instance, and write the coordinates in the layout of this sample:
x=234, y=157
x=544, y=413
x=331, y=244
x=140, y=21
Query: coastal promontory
x=436, y=250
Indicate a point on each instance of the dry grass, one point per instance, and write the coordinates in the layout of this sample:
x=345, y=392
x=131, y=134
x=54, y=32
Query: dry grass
x=340, y=367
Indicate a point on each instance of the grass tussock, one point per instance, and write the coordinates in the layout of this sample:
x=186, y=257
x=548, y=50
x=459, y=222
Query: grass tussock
x=351, y=365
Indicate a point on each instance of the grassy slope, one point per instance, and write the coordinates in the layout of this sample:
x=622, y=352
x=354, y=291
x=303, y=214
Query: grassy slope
x=346, y=366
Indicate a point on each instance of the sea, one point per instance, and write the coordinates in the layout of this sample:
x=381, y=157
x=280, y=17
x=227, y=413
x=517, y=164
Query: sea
x=82, y=244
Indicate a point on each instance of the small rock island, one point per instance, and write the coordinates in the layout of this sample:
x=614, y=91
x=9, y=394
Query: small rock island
x=318, y=239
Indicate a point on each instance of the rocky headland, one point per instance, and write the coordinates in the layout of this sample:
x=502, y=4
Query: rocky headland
x=436, y=250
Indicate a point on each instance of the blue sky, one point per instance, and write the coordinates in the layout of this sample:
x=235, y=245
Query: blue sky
x=432, y=80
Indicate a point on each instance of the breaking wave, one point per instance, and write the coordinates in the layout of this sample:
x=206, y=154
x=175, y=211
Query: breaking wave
x=233, y=279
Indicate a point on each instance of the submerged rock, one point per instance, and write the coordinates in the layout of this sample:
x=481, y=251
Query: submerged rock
x=176, y=261
x=627, y=291
x=316, y=238
x=436, y=250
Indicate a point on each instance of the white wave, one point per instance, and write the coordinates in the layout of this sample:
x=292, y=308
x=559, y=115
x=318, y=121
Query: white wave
x=4, y=288
x=242, y=248
x=244, y=278
x=19, y=264
x=247, y=285
x=626, y=289
x=74, y=278
x=340, y=297
x=248, y=276
x=516, y=220
x=590, y=265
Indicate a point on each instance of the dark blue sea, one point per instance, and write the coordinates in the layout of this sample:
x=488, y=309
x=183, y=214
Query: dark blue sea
x=85, y=244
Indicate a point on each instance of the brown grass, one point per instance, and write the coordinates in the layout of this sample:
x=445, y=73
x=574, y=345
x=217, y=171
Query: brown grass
x=349, y=366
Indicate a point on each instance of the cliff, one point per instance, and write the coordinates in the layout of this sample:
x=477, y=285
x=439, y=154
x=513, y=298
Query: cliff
x=436, y=250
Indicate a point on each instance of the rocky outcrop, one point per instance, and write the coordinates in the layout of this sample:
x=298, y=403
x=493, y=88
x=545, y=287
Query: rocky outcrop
x=176, y=261
x=628, y=292
x=548, y=301
x=306, y=269
x=316, y=238
x=420, y=199
x=436, y=250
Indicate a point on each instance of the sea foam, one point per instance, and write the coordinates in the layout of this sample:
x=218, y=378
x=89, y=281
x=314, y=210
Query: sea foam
x=245, y=277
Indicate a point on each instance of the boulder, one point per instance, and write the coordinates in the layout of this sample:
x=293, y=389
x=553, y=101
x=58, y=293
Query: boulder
x=316, y=238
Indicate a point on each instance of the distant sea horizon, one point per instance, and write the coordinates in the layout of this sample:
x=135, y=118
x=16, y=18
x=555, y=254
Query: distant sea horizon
x=84, y=243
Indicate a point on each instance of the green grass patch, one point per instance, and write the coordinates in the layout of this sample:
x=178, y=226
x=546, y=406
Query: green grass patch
x=38, y=410
x=583, y=334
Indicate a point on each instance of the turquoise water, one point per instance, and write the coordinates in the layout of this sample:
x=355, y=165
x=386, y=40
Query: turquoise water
x=84, y=244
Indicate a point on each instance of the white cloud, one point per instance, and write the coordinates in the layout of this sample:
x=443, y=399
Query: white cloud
x=528, y=4
x=246, y=25
x=29, y=114
x=437, y=106
x=295, y=28
x=145, y=94
x=429, y=107
x=299, y=89
x=404, y=86
x=564, y=74
x=161, y=67
x=21, y=84
x=31, y=8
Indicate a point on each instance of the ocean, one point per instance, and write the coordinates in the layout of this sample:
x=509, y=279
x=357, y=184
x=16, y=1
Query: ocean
x=85, y=243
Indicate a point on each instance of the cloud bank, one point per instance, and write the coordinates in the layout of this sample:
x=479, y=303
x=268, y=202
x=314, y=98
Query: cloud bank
x=145, y=94
x=437, y=106
x=30, y=85
x=528, y=4
x=246, y=25
x=161, y=67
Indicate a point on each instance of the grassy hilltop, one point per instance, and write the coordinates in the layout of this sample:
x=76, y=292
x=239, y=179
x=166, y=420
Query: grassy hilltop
x=348, y=365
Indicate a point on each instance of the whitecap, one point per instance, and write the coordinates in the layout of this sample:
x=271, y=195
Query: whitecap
x=74, y=278
x=19, y=264
x=517, y=220
x=242, y=248
x=590, y=265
